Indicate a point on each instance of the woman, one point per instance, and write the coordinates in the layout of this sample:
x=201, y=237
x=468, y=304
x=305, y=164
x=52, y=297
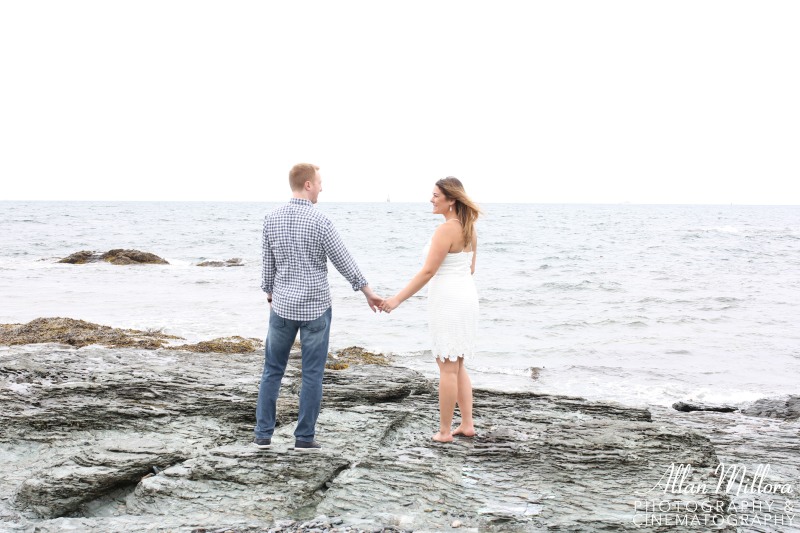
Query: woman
x=452, y=302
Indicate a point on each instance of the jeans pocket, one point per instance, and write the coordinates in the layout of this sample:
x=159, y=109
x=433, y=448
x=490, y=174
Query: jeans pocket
x=276, y=321
x=318, y=324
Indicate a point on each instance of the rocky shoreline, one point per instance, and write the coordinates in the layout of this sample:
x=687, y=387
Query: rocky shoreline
x=113, y=439
x=119, y=256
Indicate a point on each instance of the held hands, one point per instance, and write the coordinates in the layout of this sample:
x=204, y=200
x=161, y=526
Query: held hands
x=373, y=300
x=390, y=304
x=376, y=303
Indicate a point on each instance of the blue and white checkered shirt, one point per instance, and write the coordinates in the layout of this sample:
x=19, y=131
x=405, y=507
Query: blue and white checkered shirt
x=297, y=242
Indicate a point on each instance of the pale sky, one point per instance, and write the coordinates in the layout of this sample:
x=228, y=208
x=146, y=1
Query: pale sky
x=560, y=101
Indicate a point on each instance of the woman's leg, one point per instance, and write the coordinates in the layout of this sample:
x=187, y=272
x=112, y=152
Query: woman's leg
x=448, y=393
x=467, y=427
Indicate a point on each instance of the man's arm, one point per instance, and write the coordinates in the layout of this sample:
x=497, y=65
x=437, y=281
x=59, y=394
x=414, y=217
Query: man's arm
x=267, y=265
x=344, y=263
x=341, y=258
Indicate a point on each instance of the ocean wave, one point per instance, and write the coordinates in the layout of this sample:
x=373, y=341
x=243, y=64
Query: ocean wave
x=607, y=286
x=572, y=324
x=566, y=286
x=724, y=229
x=23, y=221
x=727, y=299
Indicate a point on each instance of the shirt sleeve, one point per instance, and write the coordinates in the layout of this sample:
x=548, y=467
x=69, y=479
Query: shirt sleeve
x=268, y=262
x=341, y=258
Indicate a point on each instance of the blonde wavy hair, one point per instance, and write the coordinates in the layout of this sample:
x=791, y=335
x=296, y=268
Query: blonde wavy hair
x=467, y=211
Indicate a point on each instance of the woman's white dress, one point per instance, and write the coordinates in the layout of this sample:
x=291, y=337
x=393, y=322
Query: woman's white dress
x=453, y=307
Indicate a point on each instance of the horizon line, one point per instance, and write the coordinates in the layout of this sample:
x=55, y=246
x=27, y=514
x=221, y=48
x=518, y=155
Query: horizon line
x=728, y=204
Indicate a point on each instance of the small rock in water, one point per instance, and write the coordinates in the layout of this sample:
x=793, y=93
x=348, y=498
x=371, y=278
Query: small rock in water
x=233, y=262
x=688, y=407
x=117, y=256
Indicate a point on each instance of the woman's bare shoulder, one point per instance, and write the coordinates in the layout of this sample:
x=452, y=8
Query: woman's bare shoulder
x=448, y=228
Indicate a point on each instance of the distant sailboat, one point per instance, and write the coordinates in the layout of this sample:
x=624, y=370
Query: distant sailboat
x=387, y=198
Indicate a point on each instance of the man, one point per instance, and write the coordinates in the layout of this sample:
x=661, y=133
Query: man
x=297, y=242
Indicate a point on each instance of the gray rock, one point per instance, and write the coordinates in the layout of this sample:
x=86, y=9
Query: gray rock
x=61, y=487
x=233, y=262
x=787, y=408
x=750, y=443
x=687, y=407
x=118, y=256
x=83, y=429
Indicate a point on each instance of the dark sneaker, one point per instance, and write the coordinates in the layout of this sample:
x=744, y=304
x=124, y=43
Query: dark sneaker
x=305, y=446
x=262, y=443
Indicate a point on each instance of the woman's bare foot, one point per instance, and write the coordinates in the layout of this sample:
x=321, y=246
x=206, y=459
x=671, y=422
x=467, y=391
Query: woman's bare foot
x=441, y=437
x=465, y=431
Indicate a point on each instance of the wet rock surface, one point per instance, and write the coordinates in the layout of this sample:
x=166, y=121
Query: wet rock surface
x=787, y=408
x=102, y=439
x=764, y=451
x=118, y=256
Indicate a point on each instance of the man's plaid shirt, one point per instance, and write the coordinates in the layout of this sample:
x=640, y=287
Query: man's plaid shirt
x=297, y=242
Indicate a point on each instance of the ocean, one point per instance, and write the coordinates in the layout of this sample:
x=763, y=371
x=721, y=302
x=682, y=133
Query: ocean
x=637, y=304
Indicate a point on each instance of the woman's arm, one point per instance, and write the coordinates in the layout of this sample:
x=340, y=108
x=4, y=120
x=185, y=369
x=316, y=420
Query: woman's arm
x=474, y=251
x=440, y=246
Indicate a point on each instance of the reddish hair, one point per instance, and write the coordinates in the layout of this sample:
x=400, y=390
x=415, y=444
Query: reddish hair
x=300, y=174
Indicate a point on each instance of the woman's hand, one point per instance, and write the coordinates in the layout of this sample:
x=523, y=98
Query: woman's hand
x=390, y=304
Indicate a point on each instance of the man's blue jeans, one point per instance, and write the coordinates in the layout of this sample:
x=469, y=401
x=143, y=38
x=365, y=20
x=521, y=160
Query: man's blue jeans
x=314, y=336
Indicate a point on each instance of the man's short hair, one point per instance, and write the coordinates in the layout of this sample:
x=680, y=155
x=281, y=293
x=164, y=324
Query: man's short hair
x=300, y=174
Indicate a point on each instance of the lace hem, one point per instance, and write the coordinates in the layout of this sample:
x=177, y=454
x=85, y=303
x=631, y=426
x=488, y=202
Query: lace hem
x=452, y=352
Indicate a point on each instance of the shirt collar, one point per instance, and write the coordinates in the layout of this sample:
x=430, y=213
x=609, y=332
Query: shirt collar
x=300, y=201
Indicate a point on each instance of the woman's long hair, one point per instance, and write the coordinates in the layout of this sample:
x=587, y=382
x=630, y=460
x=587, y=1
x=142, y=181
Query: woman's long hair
x=467, y=211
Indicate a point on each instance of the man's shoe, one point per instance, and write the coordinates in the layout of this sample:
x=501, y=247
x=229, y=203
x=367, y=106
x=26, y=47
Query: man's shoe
x=305, y=446
x=262, y=443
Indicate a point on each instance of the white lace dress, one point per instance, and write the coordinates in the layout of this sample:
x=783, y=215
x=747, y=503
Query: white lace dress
x=453, y=307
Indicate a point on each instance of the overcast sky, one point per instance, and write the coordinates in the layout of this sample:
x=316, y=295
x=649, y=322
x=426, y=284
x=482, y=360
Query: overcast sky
x=560, y=101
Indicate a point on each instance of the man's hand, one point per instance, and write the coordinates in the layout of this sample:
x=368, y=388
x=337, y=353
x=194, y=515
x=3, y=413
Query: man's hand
x=269, y=300
x=373, y=300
